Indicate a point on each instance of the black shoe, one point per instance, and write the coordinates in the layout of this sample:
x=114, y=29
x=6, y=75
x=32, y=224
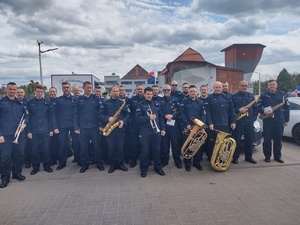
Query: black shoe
x=4, y=183
x=235, y=161
x=74, y=161
x=127, y=161
x=100, y=167
x=160, y=172
x=188, y=168
x=111, y=169
x=19, y=177
x=279, y=160
x=133, y=164
x=83, y=169
x=151, y=163
x=143, y=174
x=27, y=165
x=48, y=170
x=179, y=166
x=267, y=160
x=123, y=168
x=60, y=167
x=251, y=160
x=106, y=162
x=198, y=166
x=34, y=172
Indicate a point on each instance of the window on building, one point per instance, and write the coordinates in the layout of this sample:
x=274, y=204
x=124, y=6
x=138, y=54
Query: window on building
x=140, y=82
x=128, y=90
x=126, y=82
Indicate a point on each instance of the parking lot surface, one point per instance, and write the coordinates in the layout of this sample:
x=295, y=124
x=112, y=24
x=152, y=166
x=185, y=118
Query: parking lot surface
x=262, y=193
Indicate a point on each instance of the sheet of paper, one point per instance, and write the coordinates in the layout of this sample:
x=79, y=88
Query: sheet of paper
x=268, y=108
x=171, y=122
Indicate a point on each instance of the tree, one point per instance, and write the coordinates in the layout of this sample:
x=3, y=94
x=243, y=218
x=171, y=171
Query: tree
x=285, y=81
x=255, y=85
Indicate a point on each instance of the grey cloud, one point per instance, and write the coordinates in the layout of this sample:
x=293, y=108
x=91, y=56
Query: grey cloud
x=242, y=8
x=27, y=7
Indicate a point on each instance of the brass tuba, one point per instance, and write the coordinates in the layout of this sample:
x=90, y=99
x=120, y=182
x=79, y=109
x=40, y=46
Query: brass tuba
x=194, y=140
x=223, y=151
x=110, y=126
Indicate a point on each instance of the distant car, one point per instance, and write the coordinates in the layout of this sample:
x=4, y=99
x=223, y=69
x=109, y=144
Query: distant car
x=293, y=127
x=257, y=135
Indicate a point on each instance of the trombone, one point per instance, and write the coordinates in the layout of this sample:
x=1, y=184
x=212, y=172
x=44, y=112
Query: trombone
x=152, y=122
x=19, y=129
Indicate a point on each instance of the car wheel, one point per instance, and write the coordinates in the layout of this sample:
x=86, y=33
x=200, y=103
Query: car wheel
x=296, y=133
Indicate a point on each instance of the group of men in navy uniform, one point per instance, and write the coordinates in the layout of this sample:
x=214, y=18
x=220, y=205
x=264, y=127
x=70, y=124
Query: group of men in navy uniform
x=147, y=126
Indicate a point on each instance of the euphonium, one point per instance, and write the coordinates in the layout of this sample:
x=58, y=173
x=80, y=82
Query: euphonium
x=194, y=141
x=110, y=126
x=223, y=151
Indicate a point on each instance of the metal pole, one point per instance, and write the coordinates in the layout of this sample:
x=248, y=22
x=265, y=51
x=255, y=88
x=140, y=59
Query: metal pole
x=40, y=61
x=259, y=84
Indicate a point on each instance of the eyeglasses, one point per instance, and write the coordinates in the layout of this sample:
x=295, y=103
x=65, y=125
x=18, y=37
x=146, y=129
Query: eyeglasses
x=166, y=90
x=174, y=85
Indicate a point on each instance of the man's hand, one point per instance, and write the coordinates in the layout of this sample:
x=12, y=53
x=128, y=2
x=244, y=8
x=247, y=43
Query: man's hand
x=152, y=117
x=211, y=127
x=285, y=123
x=29, y=135
x=233, y=126
x=111, y=119
x=243, y=110
x=51, y=133
x=163, y=133
x=268, y=111
x=56, y=131
x=77, y=131
x=189, y=127
x=121, y=123
x=169, y=117
x=2, y=140
x=23, y=127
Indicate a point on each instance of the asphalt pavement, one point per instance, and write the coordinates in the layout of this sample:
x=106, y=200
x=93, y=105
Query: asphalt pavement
x=262, y=193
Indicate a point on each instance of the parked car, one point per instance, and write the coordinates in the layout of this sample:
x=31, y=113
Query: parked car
x=257, y=135
x=293, y=127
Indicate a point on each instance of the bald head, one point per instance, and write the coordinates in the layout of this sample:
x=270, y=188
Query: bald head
x=217, y=87
x=243, y=86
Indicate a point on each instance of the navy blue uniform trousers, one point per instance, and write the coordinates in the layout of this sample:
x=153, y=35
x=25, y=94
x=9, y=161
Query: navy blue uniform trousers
x=171, y=137
x=272, y=131
x=12, y=156
x=115, y=143
x=86, y=136
x=40, y=144
x=150, y=144
x=248, y=130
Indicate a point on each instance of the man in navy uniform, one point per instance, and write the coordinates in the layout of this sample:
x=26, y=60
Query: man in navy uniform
x=27, y=151
x=170, y=111
x=54, y=142
x=175, y=93
x=244, y=126
x=190, y=108
x=64, y=114
x=220, y=113
x=273, y=126
x=127, y=141
x=135, y=127
x=115, y=140
x=40, y=129
x=12, y=154
x=149, y=117
x=86, y=125
x=155, y=90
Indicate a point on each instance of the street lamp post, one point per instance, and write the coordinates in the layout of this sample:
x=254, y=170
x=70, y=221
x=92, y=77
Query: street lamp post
x=40, y=58
x=258, y=82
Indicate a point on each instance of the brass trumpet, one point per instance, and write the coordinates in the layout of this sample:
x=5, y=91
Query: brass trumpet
x=152, y=122
x=19, y=130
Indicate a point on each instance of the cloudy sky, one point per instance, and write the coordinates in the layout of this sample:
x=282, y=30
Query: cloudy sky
x=102, y=37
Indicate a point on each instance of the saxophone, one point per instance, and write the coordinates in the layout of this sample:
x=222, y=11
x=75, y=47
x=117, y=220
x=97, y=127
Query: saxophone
x=264, y=116
x=241, y=115
x=194, y=140
x=110, y=126
x=223, y=151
